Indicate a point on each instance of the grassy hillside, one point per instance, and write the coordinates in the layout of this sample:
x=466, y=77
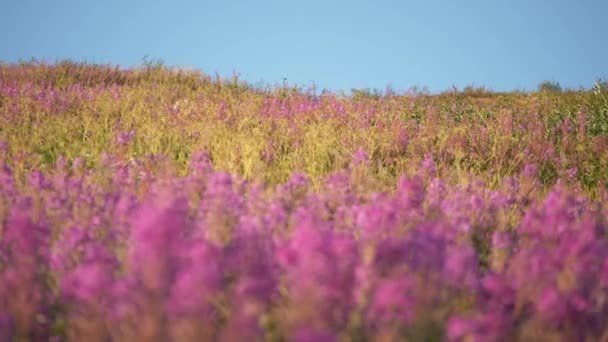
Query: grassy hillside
x=77, y=110
x=157, y=204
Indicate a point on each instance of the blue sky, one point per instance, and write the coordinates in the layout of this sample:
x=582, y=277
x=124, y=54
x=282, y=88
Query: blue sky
x=338, y=45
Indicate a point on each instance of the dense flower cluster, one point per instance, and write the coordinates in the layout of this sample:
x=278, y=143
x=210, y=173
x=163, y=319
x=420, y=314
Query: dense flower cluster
x=210, y=255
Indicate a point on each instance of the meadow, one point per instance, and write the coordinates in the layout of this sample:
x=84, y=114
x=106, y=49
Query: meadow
x=157, y=204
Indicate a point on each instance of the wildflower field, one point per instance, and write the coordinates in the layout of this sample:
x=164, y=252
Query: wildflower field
x=153, y=204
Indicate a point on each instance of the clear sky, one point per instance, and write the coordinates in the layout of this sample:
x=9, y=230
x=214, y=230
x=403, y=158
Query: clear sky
x=338, y=45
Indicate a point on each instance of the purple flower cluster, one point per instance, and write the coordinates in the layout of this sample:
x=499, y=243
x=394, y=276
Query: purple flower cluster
x=210, y=256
